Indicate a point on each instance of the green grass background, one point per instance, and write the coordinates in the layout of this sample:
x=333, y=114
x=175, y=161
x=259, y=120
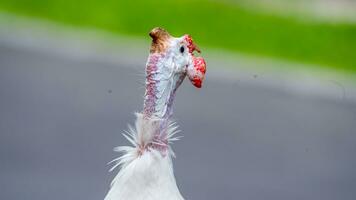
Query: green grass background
x=211, y=23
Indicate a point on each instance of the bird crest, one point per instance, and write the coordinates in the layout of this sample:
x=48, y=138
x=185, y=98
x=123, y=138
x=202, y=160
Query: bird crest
x=160, y=40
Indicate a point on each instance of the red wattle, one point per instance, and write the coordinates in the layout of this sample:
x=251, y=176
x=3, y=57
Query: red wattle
x=196, y=73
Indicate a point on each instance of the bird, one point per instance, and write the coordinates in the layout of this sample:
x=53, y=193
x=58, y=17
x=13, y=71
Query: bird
x=145, y=166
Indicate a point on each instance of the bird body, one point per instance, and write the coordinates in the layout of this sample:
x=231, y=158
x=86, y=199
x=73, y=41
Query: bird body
x=146, y=170
x=148, y=177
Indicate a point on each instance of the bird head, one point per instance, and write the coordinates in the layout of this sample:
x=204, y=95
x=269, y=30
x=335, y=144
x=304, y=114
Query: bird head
x=180, y=52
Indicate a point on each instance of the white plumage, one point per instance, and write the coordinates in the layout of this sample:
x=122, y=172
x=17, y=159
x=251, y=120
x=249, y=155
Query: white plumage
x=148, y=174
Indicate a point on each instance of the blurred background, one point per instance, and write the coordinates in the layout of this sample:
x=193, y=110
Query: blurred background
x=276, y=118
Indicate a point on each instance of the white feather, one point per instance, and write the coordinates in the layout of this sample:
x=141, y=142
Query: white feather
x=145, y=174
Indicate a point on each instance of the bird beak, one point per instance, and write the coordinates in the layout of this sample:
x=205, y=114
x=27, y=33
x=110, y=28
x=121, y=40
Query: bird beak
x=196, y=48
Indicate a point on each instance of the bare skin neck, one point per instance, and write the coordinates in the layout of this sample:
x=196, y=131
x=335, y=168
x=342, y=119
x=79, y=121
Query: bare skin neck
x=162, y=82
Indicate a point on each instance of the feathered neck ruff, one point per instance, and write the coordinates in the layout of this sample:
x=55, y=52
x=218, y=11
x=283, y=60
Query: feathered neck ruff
x=148, y=134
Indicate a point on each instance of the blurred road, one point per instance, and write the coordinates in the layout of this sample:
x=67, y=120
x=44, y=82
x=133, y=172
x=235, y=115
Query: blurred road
x=60, y=118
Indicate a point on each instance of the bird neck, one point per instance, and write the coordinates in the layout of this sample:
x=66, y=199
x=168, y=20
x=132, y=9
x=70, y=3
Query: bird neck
x=163, y=78
x=162, y=81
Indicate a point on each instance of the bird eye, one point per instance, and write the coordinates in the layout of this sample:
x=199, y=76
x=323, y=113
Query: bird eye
x=181, y=49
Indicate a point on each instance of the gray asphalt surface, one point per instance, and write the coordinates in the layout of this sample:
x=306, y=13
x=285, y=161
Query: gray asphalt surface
x=61, y=117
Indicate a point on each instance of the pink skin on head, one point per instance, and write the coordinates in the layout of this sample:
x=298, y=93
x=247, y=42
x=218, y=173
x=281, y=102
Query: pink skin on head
x=191, y=46
x=196, y=73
